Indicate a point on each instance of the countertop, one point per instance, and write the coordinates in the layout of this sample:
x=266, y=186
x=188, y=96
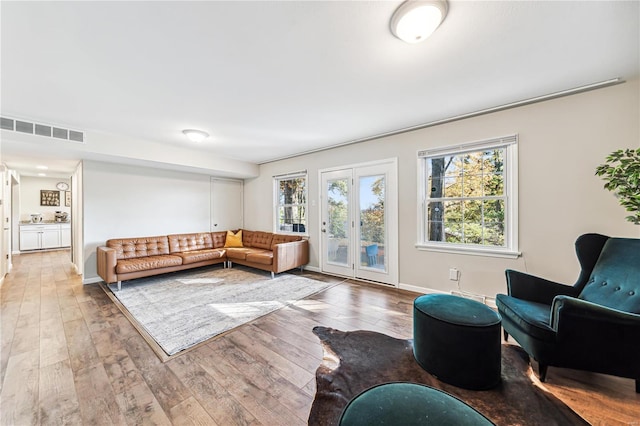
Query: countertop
x=44, y=222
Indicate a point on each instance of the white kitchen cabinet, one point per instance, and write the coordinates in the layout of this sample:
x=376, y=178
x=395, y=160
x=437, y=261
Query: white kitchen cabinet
x=50, y=237
x=29, y=238
x=65, y=235
x=44, y=236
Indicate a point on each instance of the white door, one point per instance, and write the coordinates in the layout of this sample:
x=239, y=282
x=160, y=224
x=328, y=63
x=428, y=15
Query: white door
x=226, y=205
x=360, y=222
x=5, y=215
x=337, y=223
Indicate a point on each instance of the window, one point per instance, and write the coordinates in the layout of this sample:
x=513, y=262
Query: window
x=291, y=203
x=468, y=198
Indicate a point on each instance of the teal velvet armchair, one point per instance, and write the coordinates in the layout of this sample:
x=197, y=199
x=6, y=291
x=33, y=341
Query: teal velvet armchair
x=593, y=325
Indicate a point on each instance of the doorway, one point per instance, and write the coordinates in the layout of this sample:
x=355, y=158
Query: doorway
x=359, y=221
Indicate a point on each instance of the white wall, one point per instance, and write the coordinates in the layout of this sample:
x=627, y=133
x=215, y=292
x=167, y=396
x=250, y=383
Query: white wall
x=30, y=187
x=122, y=201
x=561, y=142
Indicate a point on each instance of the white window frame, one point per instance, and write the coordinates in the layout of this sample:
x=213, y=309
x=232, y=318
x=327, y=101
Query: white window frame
x=510, y=249
x=276, y=202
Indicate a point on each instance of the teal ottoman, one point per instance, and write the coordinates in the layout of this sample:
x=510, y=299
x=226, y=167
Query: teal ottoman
x=457, y=340
x=409, y=404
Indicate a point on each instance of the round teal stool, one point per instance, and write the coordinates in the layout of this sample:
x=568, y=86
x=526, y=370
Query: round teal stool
x=457, y=340
x=409, y=404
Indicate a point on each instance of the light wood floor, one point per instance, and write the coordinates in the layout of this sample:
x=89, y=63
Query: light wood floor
x=69, y=356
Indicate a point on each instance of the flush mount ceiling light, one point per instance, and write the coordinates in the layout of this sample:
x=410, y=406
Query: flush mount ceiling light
x=415, y=20
x=195, y=135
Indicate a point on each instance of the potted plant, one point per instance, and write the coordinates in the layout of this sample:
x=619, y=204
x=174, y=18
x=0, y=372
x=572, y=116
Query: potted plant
x=621, y=172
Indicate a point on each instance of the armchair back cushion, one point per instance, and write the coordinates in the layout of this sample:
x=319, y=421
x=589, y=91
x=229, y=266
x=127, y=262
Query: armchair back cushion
x=615, y=279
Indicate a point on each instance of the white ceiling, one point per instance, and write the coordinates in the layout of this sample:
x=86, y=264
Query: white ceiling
x=271, y=79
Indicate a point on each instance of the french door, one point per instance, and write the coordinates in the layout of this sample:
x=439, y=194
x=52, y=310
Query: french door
x=359, y=222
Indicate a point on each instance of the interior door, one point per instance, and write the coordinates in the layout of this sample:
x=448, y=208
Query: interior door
x=226, y=205
x=360, y=222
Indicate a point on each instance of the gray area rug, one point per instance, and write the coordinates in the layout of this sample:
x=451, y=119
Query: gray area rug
x=182, y=309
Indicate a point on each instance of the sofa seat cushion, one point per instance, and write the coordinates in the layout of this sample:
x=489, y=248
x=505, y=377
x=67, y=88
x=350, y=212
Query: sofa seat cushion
x=200, y=255
x=531, y=317
x=137, y=264
x=264, y=257
x=236, y=253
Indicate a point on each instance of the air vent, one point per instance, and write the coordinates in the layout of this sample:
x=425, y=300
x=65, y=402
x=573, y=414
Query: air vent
x=76, y=136
x=60, y=133
x=38, y=129
x=6, y=123
x=43, y=130
x=24, y=127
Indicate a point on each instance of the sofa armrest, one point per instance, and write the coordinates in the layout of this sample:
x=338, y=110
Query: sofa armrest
x=536, y=289
x=107, y=264
x=290, y=255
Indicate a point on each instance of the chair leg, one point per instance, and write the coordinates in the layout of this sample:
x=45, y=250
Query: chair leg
x=273, y=275
x=506, y=335
x=119, y=285
x=542, y=372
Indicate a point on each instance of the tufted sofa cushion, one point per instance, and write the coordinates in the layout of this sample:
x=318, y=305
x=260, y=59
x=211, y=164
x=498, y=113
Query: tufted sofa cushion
x=190, y=242
x=615, y=280
x=262, y=240
x=247, y=238
x=218, y=239
x=128, y=248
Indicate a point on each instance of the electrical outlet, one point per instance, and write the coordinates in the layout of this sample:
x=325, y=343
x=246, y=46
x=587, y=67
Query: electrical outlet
x=453, y=274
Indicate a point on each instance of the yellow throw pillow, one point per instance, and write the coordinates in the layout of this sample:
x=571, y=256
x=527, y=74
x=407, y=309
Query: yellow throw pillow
x=233, y=240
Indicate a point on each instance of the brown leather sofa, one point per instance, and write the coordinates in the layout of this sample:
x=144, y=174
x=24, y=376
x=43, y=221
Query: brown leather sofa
x=130, y=258
x=270, y=252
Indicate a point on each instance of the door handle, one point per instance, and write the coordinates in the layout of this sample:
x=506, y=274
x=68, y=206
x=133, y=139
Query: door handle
x=324, y=230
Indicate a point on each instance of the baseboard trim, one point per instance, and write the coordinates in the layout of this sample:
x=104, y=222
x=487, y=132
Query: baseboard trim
x=489, y=301
x=312, y=269
x=91, y=280
x=418, y=289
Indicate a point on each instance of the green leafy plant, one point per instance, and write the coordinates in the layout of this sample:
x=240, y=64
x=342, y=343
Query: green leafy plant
x=621, y=173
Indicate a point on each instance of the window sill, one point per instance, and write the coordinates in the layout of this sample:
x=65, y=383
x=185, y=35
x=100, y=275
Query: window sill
x=473, y=251
x=299, y=234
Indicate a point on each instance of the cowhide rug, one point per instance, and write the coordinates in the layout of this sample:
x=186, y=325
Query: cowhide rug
x=355, y=361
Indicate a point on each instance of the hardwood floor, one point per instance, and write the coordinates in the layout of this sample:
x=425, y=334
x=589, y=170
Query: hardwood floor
x=69, y=356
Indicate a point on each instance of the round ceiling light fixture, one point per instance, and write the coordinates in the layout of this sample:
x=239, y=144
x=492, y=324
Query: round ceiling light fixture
x=195, y=135
x=415, y=20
